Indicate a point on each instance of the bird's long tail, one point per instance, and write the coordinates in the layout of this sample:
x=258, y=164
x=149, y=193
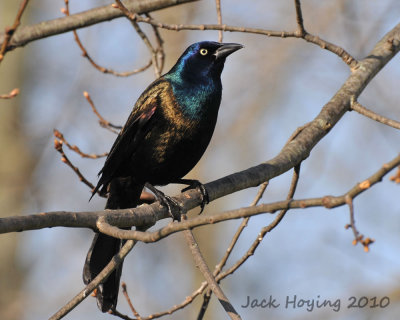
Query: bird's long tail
x=123, y=194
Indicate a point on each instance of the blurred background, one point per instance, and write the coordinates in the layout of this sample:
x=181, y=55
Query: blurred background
x=271, y=87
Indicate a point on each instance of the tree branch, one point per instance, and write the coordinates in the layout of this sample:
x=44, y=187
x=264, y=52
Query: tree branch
x=131, y=15
x=27, y=34
x=10, y=31
x=90, y=59
x=106, y=221
x=13, y=93
x=374, y=116
x=115, y=262
x=299, y=19
x=346, y=57
x=212, y=283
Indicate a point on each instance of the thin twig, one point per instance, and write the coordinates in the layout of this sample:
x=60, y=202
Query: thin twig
x=115, y=262
x=75, y=148
x=189, y=299
x=145, y=196
x=121, y=315
x=299, y=19
x=160, y=46
x=396, y=177
x=27, y=34
x=221, y=264
x=90, y=59
x=349, y=202
x=128, y=299
x=358, y=238
x=244, y=223
x=374, y=116
x=132, y=16
x=260, y=236
x=212, y=283
x=58, y=145
x=103, y=122
x=9, y=31
x=343, y=54
x=219, y=17
x=13, y=93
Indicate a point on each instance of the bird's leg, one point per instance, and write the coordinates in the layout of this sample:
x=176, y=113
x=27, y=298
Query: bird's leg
x=196, y=184
x=167, y=201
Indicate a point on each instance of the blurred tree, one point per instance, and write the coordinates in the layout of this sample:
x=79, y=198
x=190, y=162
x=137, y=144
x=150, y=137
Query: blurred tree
x=16, y=163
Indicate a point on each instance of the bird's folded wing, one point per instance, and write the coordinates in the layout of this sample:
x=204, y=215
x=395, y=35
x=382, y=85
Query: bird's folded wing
x=133, y=132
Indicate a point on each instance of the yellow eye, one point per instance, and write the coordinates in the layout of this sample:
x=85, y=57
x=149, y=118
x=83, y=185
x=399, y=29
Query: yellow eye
x=203, y=51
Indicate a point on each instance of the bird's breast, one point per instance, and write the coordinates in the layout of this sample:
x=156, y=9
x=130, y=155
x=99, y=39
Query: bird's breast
x=181, y=130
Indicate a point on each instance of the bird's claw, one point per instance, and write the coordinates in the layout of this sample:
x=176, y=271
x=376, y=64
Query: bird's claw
x=173, y=206
x=205, y=199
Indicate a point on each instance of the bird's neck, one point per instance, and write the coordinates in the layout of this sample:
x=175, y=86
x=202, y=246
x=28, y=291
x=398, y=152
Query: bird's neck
x=197, y=96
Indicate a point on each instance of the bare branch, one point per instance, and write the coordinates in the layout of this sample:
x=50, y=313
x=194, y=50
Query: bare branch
x=219, y=17
x=62, y=140
x=160, y=54
x=10, y=31
x=396, y=178
x=212, y=283
x=92, y=62
x=103, y=122
x=106, y=221
x=115, y=262
x=244, y=223
x=299, y=19
x=131, y=15
x=260, y=236
x=374, y=116
x=327, y=201
x=189, y=299
x=221, y=264
x=126, y=295
x=358, y=238
x=13, y=93
x=343, y=54
x=27, y=34
x=58, y=145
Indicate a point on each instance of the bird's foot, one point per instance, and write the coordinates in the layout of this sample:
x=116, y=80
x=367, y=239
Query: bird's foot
x=173, y=206
x=196, y=184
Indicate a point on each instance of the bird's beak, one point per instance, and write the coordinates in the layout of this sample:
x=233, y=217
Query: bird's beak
x=226, y=49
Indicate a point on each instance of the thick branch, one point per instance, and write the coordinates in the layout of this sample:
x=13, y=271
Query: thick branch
x=106, y=221
x=24, y=35
x=327, y=201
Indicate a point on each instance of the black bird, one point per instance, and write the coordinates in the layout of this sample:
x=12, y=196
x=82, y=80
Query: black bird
x=164, y=137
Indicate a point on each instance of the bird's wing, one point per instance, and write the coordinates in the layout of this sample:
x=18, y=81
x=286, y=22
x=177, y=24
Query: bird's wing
x=132, y=133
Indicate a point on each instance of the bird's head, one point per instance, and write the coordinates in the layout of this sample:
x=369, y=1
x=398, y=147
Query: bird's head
x=203, y=59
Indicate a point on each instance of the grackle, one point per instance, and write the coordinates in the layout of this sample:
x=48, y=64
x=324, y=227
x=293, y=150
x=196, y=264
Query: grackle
x=164, y=137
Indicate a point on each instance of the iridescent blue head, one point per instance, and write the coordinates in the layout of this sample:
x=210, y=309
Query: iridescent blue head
x=202, y=60
x=196, y=77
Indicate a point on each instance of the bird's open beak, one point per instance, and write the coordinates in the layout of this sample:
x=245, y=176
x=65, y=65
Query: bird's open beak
x=226, y=49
